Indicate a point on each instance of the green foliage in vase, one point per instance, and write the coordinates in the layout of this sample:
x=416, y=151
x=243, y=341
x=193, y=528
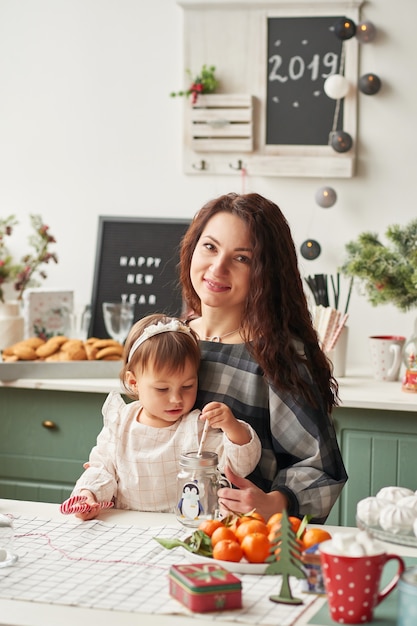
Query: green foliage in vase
x=387, y=272
x=27, y=271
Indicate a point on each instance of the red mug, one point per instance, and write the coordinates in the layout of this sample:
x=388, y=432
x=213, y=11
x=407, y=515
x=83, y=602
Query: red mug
x=352, y=584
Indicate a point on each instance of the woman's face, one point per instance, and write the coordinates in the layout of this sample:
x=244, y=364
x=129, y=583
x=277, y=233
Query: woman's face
x=221, y=262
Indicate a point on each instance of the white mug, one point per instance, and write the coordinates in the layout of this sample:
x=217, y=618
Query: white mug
x=386, y=356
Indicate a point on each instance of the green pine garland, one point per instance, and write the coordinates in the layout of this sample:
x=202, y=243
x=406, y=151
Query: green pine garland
x=388, y=272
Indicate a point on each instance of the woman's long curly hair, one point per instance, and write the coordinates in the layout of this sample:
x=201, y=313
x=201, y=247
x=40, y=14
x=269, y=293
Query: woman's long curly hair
x=276, y=314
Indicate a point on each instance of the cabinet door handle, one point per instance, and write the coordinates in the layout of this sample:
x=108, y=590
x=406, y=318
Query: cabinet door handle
x=49, y=424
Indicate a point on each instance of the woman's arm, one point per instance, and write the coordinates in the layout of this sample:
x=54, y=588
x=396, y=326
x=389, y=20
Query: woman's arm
x=310, y=473
x=313, y=474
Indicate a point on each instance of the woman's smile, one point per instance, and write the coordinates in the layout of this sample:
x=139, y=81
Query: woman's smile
x=215, y=286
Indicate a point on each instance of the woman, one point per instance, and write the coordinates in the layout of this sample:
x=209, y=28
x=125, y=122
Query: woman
x=260, y=354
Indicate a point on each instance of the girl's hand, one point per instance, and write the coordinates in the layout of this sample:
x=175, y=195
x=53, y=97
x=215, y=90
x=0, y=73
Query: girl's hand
x=248, y=497
x=220, y=416
x=93, y=506
x=84, y=505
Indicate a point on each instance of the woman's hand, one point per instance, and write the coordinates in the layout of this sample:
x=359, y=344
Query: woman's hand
x=248, y=497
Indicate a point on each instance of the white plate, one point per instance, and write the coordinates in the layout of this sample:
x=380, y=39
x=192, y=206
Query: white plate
x=243, y=567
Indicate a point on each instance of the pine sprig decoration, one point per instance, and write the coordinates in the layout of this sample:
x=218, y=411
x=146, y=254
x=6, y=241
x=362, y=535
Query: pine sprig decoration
x=387, y=272
x=203, y=83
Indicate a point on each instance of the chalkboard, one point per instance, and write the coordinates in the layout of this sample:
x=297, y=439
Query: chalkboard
x=302, y=53
x=136, y=260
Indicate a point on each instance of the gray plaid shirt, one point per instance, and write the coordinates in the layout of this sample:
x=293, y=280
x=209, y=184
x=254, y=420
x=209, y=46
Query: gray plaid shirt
x=300, y=453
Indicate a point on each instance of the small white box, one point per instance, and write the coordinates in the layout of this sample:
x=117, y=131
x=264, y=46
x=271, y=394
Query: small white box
x=47, y=312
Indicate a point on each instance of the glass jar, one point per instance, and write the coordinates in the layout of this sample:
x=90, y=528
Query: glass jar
x=410, y=350
x=7, y=555
x=197, y=483
x=407, y=598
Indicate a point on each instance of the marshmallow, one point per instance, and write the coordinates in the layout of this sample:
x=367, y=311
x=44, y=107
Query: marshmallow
x=396, y=520
x=353, y=544
x=369, y=509
x=409, y=502
x=393, y=494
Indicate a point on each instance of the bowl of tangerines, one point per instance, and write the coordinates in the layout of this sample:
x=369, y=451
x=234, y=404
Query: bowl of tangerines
x=245, y=543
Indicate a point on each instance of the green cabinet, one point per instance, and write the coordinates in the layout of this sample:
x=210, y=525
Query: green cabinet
x=45, y=437
x=379, y=449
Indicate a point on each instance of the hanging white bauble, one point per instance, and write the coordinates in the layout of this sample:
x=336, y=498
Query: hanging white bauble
x=336, y=86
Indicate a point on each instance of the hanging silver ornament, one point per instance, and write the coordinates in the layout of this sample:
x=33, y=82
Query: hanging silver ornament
x=345, y=28
x=365, y=32
x=326, y=197
x=369, y=84
x=310, y=249
x=341, y=141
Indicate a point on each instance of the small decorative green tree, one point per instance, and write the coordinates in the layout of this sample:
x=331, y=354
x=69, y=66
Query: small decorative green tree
x=388, y=273
x=285, y=559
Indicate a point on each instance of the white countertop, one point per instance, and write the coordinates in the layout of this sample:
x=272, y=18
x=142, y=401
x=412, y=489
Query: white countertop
x=357, y=391
x=21, y=613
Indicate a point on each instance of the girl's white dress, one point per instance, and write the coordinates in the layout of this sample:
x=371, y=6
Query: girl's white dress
x=137, y=465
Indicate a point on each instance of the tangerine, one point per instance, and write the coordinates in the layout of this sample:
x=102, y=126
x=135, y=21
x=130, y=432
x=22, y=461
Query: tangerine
x=250, y=526
x=223, y=532
x=208, y=526
x=312, y=536
x=274, y=519
x=254, y=515
x=255, y=547
x=274, y=522
x=228, y=550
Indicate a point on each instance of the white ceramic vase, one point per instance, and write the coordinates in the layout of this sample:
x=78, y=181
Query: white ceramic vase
x=11, y=324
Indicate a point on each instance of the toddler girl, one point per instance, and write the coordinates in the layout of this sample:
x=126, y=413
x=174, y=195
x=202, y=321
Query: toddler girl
x=135, y=461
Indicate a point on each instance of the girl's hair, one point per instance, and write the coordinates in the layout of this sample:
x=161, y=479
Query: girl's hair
x=276, y=311
x=168, y=351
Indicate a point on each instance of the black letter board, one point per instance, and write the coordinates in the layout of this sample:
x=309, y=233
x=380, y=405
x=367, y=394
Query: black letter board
x=302, y=53
x=137, y=261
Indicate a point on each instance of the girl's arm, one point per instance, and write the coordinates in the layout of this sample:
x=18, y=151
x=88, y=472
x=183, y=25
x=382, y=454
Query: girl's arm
x=239, y=446
x=99, y=481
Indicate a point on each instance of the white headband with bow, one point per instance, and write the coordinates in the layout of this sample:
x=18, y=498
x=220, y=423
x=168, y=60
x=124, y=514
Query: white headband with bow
x=174, y=326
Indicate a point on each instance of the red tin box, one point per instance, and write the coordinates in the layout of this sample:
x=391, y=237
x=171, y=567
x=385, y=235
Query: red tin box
x=204, y=587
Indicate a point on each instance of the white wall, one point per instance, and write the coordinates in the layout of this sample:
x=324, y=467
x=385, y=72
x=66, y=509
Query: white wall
x=87, y=128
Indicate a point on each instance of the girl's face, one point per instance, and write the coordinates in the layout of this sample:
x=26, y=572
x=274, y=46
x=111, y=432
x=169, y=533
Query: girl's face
x=165, y=395
x=220, y=266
